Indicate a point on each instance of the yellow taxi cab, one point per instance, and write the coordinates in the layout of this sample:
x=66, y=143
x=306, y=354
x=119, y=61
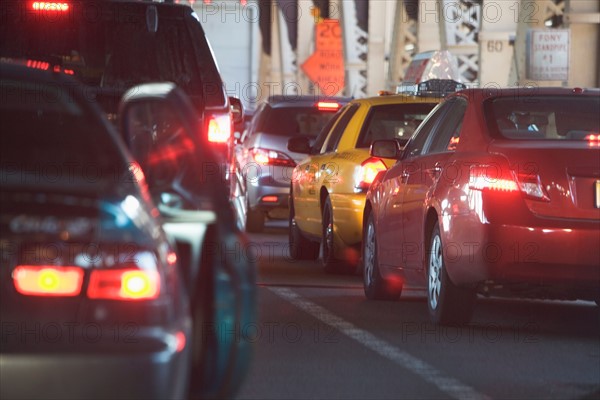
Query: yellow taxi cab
x=328, y=188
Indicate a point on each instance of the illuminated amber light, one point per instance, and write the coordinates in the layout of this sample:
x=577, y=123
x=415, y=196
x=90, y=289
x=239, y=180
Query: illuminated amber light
x=33, y=280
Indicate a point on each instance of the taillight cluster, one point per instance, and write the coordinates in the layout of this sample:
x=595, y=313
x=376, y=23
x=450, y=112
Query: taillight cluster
x=593, y=140
x=128, y=283
x=41, y=280
x=271, y=157
x=367, y=172
x=484, y=177
x=219, y=128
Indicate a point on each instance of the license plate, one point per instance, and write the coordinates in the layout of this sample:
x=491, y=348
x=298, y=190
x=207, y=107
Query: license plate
x=597, y=194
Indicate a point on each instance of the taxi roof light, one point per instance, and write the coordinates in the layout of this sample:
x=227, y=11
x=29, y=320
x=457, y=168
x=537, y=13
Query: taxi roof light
x=431, y=88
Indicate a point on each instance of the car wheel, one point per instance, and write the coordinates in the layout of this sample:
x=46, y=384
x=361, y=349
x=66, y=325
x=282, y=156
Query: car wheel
x=255, y=220
x=330, y=263
x=448, y=304
x=375, y=286
x=301, y=248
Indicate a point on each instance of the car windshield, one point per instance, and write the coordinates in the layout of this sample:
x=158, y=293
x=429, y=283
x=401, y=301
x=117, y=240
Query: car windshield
x=393, y=121
x=294, y=121
x=547, y=118
x=47, y=137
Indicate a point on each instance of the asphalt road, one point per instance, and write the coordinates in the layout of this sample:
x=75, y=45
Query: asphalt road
x=319, y=338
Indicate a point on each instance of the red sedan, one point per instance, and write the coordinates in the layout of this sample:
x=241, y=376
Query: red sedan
x=497, y=192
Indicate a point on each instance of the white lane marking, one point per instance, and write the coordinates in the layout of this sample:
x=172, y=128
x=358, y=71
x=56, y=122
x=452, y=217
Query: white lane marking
x=446, y=384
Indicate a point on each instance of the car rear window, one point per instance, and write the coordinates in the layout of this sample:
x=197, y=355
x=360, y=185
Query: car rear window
x=544, y=117
x=392, y=121
x=46, y=136
x=294, y=121
x=109, y=45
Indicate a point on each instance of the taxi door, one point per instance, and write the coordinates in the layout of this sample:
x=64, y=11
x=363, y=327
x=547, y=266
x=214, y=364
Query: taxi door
x=317, y=172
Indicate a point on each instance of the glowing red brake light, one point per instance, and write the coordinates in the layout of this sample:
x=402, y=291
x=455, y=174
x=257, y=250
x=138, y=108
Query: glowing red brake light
x=368, y=171
x=327, y=106
x=593, y=140
x=50, y=6
x=483, y=177
x=219, y=128
x=272, y=157
x=38, y=64
x=172, y=258
x=124, y=284
x=180, y=341
x=47, y=280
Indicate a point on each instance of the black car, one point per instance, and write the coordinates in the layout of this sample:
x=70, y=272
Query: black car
x=96, y=300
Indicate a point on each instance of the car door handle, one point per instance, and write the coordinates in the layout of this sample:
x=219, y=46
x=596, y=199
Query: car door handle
x=436, y=170
x=404, y=177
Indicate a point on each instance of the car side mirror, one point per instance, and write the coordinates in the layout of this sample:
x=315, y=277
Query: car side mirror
x=237, y=110
x=158, y=123
x=299, y=145
x=386, y=149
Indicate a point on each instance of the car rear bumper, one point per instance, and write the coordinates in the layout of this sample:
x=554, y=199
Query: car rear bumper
x=266, y=194
x=550, y=253
x=133, y=373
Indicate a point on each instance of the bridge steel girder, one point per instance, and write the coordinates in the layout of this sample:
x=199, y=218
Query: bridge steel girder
x=403, y=45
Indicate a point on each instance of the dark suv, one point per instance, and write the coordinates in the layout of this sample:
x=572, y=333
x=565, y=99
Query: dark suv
x=114, y=45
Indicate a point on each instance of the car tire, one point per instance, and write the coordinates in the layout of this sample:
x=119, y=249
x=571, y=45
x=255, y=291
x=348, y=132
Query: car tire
x=301, y=248
x=330, y=263
x=448, y=304
x=375, y=286
x=255, y=221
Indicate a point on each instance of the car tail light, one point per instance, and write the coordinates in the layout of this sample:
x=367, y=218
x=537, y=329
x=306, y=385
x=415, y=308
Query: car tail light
x=593, y=140
x=179, y=341
x=48, y=280
x=271, y=157
x=367, y=172
x=531, y=186
x=328, y=106
x=124, y=284
x=219, y=128
x=484, y=177
x=269, y=199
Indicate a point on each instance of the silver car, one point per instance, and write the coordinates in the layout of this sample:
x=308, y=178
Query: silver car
x=263, y=163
